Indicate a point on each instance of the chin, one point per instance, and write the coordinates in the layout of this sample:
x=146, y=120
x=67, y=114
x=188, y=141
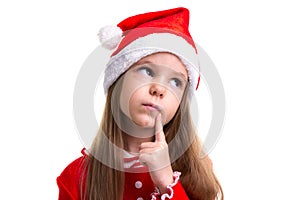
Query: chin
x=144, y=122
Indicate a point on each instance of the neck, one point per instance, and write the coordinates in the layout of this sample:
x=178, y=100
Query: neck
x=132, y=144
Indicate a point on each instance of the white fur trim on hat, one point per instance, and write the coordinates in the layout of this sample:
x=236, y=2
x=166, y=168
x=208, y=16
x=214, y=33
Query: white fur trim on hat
x=147, y=45
x=110, y=36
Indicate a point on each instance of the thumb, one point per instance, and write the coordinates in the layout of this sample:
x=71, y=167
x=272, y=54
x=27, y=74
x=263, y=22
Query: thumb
x=159, y=132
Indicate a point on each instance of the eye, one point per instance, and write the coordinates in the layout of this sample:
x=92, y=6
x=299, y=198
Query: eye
x=176, y=82
x=146, y=71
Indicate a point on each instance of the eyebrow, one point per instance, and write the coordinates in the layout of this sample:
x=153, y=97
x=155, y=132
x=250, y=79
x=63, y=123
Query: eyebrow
x=155, y=65
x=181, y=75
x=143, y=62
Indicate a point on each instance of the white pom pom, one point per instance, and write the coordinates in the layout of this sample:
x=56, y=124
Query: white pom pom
x=110, y=36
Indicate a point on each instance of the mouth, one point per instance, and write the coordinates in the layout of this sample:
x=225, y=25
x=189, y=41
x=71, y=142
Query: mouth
x=152, y=107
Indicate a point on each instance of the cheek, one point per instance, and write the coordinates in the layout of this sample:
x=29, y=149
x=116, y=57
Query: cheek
x=130, y=87
x=171, y=109
x=124, y=103
x=135, y=98
x=130, y=101
x=139, y=115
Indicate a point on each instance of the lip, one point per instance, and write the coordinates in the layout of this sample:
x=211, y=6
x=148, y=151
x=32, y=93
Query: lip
x=152, y=106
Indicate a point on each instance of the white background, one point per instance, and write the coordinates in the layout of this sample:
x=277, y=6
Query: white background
x=254, y=45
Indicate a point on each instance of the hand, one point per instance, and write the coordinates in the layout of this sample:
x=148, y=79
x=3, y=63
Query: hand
x=156, y=156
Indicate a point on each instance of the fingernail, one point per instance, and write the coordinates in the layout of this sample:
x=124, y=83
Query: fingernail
x=159, y=115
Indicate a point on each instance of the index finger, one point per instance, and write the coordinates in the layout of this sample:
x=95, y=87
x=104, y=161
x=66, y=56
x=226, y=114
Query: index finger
x=159, y=133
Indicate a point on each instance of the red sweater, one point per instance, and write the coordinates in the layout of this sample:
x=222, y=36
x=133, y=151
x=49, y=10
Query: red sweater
x=137, y=186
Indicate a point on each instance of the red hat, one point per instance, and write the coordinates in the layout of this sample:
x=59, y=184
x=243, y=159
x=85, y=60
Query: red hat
x=144, y=34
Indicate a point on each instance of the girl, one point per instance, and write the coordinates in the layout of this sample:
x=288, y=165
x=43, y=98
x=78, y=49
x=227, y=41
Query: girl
x=146, y=146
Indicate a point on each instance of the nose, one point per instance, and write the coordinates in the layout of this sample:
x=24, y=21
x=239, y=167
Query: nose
x=157, y=90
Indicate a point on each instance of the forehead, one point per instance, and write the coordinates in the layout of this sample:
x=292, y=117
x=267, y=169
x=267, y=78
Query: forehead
x=167, y=60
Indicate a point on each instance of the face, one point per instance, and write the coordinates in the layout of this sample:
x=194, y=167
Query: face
x=153, y=85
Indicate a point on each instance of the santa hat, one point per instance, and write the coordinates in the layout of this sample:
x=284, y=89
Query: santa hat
x=144, y=34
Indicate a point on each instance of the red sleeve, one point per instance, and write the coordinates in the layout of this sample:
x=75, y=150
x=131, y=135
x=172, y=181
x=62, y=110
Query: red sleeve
x=179, y=193
x=69, y=181
x=176, y=191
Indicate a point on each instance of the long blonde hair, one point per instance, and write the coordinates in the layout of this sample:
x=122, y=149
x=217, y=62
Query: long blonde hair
x=102, y=182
